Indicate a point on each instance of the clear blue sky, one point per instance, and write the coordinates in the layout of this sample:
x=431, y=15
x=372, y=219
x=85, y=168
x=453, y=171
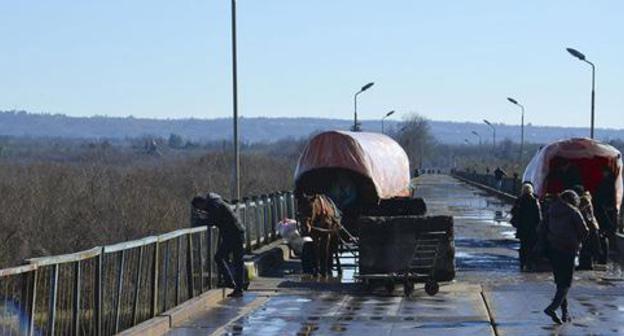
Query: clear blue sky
x=446, y=60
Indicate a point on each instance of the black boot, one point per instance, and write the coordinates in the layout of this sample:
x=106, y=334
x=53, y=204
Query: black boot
x=236, y=293
x=565, y=315
x=553, y=315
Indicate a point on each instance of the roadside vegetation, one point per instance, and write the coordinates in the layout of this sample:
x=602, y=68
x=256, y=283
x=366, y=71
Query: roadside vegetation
x=61, y=196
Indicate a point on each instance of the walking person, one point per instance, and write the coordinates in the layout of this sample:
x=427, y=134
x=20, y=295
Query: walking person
x=212, y=210
x=565, y=232
x=498, y=176
x=526, y=217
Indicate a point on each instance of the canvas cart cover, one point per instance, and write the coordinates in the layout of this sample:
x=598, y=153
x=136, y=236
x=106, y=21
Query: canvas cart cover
x=589, y=155
x=376, y=157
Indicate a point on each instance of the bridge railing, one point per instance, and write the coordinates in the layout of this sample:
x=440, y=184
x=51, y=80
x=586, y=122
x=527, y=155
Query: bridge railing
x=107, y=289
x=509, y=185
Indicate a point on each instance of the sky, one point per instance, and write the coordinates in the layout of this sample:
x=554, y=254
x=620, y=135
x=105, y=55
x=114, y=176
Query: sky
x=446, y=60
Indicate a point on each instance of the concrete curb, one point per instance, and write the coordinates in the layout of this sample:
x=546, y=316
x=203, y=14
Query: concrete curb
x=502, y=195
x=260, y=261
x=162, y=323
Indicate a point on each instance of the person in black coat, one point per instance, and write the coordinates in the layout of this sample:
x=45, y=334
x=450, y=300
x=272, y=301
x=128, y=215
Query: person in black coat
x=526, y=218
x=212, y=210
x=565, y=232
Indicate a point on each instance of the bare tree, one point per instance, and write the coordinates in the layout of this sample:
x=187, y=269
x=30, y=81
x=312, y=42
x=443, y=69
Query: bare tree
x=414, y=134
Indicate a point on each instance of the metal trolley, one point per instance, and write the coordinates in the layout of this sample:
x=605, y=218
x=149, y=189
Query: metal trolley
x=419, y=267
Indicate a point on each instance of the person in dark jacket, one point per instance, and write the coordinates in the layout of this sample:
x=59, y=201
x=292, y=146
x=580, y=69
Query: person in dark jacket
x=214, y=211
x=606, y=211
x=566, y=230
x=526, y=217
x=498, y=176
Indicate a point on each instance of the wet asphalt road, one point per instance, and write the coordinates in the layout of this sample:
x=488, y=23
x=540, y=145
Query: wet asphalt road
x=488, y=297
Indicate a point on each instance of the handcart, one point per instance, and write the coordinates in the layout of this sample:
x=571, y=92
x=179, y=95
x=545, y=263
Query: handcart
x=419, y=266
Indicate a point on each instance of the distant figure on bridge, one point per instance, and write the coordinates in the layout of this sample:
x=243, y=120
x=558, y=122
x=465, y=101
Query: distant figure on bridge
x=212, y=210
x=565, y=231
x=498, y=176
x=526, y=217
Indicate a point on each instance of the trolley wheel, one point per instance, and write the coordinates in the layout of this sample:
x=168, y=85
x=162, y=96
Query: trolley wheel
x=389, y=285
x=408, y=287
x=432, y=287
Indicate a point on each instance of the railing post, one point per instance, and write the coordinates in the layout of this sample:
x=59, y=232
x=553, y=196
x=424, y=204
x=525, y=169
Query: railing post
x=165, y=274
x=137, y=290
x=76, y=305
x=200, y=247
x=120, y=279
x=214, y=242
x=189, y=265
x=242, y=214
x=265, y=217
x=257, y=221
x=98, y=293
x=178, y=269
x=155, y=265
x=53, y=296
x=275, y=214
x=33, y=303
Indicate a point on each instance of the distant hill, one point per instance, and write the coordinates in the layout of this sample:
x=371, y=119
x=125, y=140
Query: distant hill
x=20, y=123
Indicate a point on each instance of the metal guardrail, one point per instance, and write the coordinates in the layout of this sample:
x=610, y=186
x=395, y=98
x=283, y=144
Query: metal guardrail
x=507, y=185
x=107, y=289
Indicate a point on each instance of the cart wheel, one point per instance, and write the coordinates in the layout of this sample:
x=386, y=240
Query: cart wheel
x=389, y=286
x=408, y=287
x=432, y=287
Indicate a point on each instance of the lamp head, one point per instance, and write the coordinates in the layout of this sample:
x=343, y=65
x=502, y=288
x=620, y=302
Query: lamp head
x=475, y=133
x=367, y=86
x=513, y=101
x=390, y=113
x=576, y=53
x=487, y=122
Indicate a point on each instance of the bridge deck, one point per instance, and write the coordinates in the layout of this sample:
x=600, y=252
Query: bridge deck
x=489, y=297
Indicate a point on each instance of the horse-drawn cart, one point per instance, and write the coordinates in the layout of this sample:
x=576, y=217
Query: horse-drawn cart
x=391, y=240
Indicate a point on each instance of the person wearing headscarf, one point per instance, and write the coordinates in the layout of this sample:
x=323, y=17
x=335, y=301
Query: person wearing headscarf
x=526, y=218
x=591, y=245
x=565, y=231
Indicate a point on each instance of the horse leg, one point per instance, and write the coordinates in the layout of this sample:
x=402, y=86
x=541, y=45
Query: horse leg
x=334, y=249
x=323, y=255
x=317, y=255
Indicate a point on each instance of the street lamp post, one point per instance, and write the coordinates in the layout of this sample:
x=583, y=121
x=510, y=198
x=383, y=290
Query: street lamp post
x=356, y=127
x=493, y=134
x=478, y=135
x=581, y=56
x=513, y=101
x=384, y=117
x=236, y=174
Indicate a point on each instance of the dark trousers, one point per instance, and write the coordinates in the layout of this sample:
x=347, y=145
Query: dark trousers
x=231, y=243
x=527, y=245
x=563, y=270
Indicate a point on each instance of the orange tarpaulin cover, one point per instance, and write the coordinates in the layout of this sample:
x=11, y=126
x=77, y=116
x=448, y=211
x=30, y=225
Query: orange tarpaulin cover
x=589, y=158
x=373, y=155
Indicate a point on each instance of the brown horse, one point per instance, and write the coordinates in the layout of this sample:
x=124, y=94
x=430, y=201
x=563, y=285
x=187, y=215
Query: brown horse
x=320, y=218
